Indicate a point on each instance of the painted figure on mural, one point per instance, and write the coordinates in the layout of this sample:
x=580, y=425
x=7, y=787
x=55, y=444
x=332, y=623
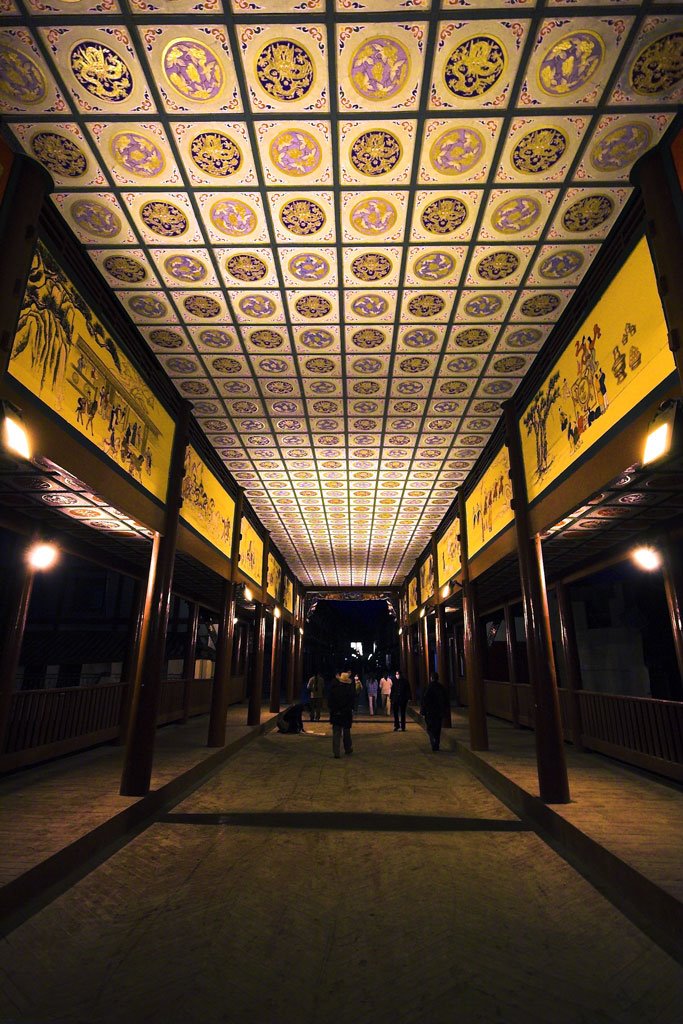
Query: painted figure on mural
x=194, y=493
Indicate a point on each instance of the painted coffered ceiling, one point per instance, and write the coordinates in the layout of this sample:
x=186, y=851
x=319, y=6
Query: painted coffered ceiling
x=344, y=228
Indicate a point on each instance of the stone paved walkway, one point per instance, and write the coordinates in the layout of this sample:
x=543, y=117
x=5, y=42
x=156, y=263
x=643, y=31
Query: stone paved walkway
x=389, y=886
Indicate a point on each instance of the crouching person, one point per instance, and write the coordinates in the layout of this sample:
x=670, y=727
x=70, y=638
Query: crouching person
x=291, y=720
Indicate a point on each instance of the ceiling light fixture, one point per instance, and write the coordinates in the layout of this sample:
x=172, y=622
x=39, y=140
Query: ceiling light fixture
x=42, y=556
x=660, y=432
x=646, y=558
x=15, y=437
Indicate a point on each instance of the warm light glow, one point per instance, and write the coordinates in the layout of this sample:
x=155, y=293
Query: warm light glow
x=42, y=556
x=235, y=621
x=15, y=436
x=423, y=612
x=658, y=443
x=301, y=630
x=445, y=590
x=276, y=613
x=647, y=558
x=400, y=630
x=248, y=595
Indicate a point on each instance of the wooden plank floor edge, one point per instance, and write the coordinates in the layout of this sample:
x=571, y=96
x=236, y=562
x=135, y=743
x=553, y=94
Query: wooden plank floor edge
x=657, y=913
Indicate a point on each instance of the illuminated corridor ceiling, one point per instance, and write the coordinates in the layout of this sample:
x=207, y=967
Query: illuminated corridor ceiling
x=344, y=229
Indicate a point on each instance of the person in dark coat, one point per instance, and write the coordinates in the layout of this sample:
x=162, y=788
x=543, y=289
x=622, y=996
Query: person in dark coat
x=291, y=719
x=341, y=701
x=433, y=708
x=400, y=695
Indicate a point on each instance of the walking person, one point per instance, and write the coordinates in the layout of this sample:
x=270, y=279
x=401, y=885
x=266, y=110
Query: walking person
x=358, y=689
x=371, y=690
x=341, y=700
x=433, y=708
x=316, y=689
x=385, y=692
x=400, y=695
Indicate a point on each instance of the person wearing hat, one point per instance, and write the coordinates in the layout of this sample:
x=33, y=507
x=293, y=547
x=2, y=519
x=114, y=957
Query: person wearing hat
x=341, y=700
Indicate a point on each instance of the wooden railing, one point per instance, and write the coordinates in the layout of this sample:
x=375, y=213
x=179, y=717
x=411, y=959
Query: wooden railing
x=52, y=722
x=641, y=731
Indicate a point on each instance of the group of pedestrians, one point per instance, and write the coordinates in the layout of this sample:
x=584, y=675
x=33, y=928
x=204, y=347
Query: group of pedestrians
x=342, y=698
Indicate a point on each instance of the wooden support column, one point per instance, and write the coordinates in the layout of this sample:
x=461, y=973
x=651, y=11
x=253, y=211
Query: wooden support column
x=550, y=755
x=442, y=666
x=220, y=691
x=129, y=666
x=476, y=712
x=275, y=666
x=511, y=653
x=423, y=647
x=673, y=585
x=190, y=657
x=572, y=665
x=139, y=753
x=659, y=185
x=254, y=710
x=28, y=186
x=411, y=659
x=289, y=678
x=15, y=625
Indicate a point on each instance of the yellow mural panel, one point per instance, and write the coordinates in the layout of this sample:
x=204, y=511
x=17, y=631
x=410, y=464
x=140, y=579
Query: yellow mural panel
x=619, y=355
x=65, y=357
x=412, y=595
x=488, y=506
x=274, y=577
x=288, y=596
x=207, y=506
x=448, y=552
x=426, y=579
x=251, y=552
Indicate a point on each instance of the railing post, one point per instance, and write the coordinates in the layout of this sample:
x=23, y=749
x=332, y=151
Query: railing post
x=550, y=755
x=572, y=665
x=15, y=625
x=476, y=712
x=190, y=658
x=511, y=653
x=139, y=753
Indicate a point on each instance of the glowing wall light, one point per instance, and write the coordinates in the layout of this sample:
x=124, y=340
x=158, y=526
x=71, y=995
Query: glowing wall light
x=646, y=558
x=13, y=432
x=660, y=432
x=248, y=594
x=41, y=556
x=276, y=612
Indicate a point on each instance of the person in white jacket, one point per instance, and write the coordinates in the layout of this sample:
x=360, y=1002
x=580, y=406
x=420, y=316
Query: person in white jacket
x=385, y=692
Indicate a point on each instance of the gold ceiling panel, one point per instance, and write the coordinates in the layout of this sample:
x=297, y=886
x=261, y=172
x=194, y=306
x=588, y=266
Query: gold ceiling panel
x=345, y=228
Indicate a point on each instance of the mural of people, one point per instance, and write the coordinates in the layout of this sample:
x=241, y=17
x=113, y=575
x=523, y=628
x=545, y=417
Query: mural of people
x=200, y=509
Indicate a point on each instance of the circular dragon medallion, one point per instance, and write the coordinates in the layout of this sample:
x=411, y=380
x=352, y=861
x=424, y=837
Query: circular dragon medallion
x=367, y=365
x=487, y=407
x=516, y=214
x=483, y=305
x=371, y=266
x=308, y=267
x=193, y=70
x=202, y=305
x=373, y=216
x=420, y=337
x=456, y=151
x=125, y=268
x=163, y=218
x=226, y=364
x=314, y=306
x=410, y=387
x=497, y=387
x=181, y=364
x=319, y=387
x=560, y=264
x=434, y=266
x=370, y=305
x=659, y=66
x=295, y=152
x=319, y=364
x=164, y=338
x=621, y=147
x=325, y=408
x=426, y=305
x=61, y=156
x=540, y=305
x=137, y=154
x=246, y=267
x=317, y=339
x=264, y=338
x=185, y=268
x=273, y=365
x=414, y=364
x=471, y=337
x=538, y=150
x=96, y=218
x=509, y=364
x=302, y=217
x=235, y=387
x=498, y=265
x=368, y=337
x=147, y=306
x=462, y=364
x=588, y=213
x=285, y=71
x=101, y=71
x=453, y=387
x=366, y=387
x=474, y=66
x=258, y=306
x=444, y=215
x=570, y=63
x=379, y=68
x=233, y=217
x=215, y=154
x=214, y=338
x=524, y=337
x=375, y=153
x=21, y=80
